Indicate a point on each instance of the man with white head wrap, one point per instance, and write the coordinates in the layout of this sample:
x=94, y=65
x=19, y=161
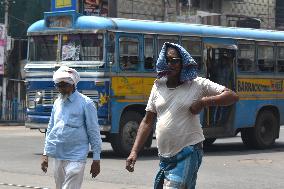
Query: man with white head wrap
x=67, y=75
x=73, y=125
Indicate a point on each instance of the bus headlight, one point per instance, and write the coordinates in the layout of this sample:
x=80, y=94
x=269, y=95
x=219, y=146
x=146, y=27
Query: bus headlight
x=38, y=98
x=31, y=104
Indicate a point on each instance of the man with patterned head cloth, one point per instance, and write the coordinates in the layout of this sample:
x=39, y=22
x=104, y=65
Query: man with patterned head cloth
x=73, y=125
x=176, y=99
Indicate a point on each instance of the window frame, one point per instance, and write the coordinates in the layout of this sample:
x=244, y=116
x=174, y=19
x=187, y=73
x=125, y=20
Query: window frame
x=133, y=36
x=246, y=42
x=278, y=45
x=198, y=39
x=101, y=48
x=32, y=47
x=265, y=44
x=154, y=51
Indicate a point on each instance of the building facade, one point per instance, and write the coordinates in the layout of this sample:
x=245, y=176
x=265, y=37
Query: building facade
x=261, y=10
x=141, y=9
x=239, y=13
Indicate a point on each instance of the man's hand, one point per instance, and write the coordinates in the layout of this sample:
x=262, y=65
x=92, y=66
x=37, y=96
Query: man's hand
x=44, y=164
x=197, y=106
x=130, y=161
x=95, y=168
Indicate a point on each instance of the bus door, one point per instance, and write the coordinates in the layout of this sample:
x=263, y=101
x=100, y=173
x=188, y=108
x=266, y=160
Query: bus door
x=220, y=68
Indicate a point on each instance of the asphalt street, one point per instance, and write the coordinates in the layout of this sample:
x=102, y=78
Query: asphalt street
x=227, y=164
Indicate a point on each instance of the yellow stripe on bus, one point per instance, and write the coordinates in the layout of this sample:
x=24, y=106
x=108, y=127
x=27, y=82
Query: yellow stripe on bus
x=261, y=98
x=260, y=86
x=132, y=86
x=129, y=100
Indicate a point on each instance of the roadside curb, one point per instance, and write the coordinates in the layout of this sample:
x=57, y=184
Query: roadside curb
x=4, y=123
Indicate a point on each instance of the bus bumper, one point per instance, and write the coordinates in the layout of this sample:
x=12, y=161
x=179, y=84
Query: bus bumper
x=36, y=125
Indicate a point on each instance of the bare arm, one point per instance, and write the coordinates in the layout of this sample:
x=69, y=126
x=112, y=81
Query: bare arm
x=143, y=133
x=226, y=98
x=44, y=163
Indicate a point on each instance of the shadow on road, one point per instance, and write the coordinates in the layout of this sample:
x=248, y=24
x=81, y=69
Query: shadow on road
x=238, y=148
x=217, y=149
x=147, y=154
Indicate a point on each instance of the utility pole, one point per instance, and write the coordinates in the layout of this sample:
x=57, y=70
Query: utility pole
x=112, y=8
x=166, y=5
x=4, y=84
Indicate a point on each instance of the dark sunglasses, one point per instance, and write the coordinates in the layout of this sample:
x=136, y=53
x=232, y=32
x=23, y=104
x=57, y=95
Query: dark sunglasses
x=62, y=85
x=173, y=60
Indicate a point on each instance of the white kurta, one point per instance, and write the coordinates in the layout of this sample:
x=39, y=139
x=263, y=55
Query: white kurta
x=176, y=127
x=68, y=174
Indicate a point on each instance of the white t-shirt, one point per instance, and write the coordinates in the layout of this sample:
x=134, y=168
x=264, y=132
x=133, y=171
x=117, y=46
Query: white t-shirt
x=176, y=126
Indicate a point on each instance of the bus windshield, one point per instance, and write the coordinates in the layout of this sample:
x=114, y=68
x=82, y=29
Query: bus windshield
x=82, y=47
x=43, y=48
x=79, y=48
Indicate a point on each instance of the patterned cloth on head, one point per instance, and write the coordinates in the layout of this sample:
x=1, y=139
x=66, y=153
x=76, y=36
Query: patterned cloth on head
x=67, y=75
x=189, y=66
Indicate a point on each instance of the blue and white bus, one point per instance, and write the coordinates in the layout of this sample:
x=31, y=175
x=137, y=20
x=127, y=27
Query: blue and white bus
x=116, y=60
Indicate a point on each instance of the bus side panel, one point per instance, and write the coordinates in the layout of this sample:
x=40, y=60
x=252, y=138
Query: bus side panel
x=255, y=94
x=116, y=111
x=247, y=110
x=245, y=113
x=128, y=92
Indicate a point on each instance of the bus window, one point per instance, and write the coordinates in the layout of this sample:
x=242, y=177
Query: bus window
x=193, y=46
x=129, y=53
x=162, y=39
x=82, y=47
x=43, y=48
x=280, y=59
x=266, y=58
x=246, y=55
x=149, y=52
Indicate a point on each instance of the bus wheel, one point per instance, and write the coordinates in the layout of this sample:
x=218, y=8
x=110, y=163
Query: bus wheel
x=263, y=135
x=209, y=141
x=124, y=140
x=265, y=129
x=247, y=137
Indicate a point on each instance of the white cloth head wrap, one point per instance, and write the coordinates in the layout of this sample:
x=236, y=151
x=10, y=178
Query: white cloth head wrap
x=67, y=75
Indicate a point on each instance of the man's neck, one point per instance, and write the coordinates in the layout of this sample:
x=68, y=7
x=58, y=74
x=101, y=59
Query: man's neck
x=173, y=82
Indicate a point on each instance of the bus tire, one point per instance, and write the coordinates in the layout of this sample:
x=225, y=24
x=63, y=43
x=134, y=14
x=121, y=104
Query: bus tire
x=265, y=129
x=124, y=140
x=263, y=135
x=247, y=137
x=208, y=141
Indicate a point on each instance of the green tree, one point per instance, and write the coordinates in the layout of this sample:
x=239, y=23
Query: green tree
x=22, y=14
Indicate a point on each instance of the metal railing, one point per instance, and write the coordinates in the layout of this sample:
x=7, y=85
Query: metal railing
x=14, y=111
